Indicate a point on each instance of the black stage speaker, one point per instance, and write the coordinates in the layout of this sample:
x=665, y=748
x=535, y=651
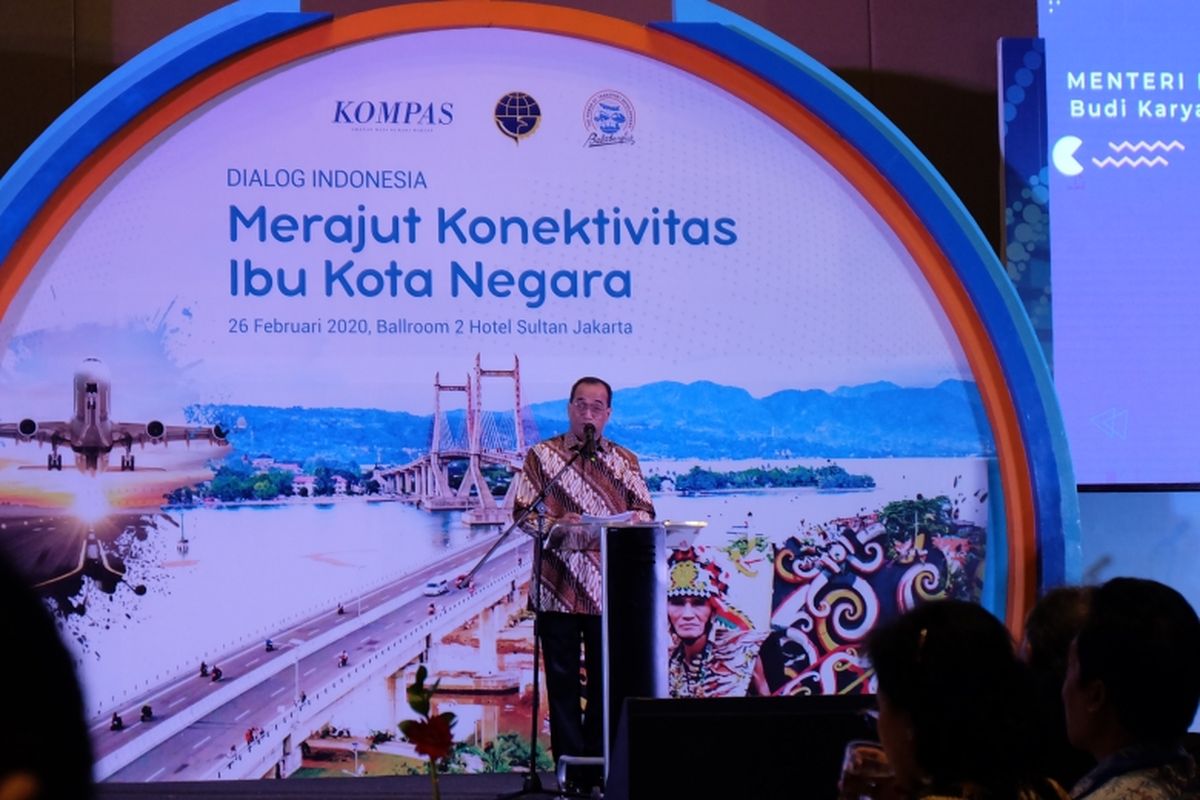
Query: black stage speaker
x=739, y=747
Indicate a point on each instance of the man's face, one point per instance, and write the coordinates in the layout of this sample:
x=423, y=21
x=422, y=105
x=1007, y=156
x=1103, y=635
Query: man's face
x=689, y=616
x=590, y=404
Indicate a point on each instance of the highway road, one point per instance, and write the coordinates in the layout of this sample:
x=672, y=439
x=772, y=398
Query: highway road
x=195, y=751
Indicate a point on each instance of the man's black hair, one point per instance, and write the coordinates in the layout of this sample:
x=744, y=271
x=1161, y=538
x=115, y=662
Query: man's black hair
x=1142, y=641
x=596, y=381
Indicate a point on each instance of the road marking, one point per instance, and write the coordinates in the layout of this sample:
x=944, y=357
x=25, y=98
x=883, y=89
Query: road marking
x=252, y=663
x=160, y=771
x=312, y=631
x=202, y=742
x=279, y=691
x=174, y=703
x=366, y=640
x=239, y=716
x=310, y=672
x=390, y=625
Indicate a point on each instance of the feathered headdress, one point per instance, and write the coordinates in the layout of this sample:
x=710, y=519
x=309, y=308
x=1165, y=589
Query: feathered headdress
x=693, y=576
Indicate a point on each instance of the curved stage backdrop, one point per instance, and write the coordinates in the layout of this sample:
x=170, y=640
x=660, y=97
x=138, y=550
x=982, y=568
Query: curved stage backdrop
x=273, y=350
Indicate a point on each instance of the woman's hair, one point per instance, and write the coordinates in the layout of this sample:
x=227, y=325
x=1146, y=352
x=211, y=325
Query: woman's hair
x=951, y=668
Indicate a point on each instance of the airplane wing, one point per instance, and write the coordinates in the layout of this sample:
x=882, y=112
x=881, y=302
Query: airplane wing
x=155, y=432
x=56, y=432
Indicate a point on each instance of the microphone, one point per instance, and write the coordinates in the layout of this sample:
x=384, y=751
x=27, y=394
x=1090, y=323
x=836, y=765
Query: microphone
x=589, y=442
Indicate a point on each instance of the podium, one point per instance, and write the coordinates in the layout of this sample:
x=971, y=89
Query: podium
x=633, y=558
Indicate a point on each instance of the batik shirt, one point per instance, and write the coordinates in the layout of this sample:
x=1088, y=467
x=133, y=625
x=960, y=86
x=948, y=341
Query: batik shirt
x=1045, y=789
x=611, y=484
x=1141, y=773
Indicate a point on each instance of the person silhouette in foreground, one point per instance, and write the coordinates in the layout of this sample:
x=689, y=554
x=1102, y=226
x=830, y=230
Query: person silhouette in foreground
x=1049, y=630
x=1131, y=691
x=45, y=752
x=955, y=706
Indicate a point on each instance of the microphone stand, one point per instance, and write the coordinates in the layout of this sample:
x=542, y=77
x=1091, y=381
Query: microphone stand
x=532, y=783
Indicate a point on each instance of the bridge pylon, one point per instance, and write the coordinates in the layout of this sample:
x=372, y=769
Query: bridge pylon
x=487, y=444
x=436, y=492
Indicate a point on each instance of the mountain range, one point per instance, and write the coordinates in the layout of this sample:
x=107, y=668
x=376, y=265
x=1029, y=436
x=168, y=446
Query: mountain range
x=663, y=420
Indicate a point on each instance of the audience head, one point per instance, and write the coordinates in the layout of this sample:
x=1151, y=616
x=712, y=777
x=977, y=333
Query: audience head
x=45, y=751
x=1050, y=628
x=1133, y=672
x=952, y=698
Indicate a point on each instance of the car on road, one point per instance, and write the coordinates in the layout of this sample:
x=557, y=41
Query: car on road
x=436, y=587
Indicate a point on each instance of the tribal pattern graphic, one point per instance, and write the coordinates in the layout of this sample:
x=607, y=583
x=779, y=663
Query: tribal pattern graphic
x=835, y=581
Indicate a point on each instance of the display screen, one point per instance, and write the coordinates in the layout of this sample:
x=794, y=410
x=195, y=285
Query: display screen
x=320, y=321
x=1123, y=92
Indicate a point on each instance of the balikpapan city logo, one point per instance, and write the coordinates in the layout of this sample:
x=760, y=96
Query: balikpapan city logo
x=517, y=115
x=609, y=118
x=393, y=115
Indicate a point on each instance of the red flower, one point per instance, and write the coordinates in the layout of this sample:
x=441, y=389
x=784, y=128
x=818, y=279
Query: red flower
x=430, y=737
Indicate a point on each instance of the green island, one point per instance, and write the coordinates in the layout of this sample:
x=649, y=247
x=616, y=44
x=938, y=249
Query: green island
x=829, y=477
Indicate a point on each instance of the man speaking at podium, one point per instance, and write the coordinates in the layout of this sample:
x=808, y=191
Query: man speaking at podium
x=604, y=481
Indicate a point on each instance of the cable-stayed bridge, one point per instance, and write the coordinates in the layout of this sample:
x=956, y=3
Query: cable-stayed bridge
x=480, y=439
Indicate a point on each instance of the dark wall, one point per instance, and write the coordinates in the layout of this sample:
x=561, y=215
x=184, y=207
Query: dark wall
x=929, y=65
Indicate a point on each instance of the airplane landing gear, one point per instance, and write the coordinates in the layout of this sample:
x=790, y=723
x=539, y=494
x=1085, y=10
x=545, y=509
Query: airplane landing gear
x=54, y=461
x=127, y=462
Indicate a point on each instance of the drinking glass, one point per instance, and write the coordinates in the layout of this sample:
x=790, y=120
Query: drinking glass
x=866, y=773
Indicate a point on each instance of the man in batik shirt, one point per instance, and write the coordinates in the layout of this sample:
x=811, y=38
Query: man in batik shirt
x=1131, y=692
x=604, y=481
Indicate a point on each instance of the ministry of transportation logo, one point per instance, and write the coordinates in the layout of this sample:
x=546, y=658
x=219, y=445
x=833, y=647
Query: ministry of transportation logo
x=517, y=115
x=609, y=118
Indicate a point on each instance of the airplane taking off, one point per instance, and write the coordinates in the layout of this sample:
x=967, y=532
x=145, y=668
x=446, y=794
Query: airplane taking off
x=92, y=435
